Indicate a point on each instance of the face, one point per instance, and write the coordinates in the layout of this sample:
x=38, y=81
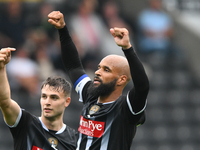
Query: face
x=53, y=103
x=105, y=77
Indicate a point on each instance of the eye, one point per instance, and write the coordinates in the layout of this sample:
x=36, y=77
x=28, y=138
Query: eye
x=107, y=70
x=54, y=97
x=43, y=96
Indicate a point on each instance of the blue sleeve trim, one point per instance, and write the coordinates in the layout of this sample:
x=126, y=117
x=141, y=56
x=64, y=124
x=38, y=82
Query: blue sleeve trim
x=79, y=79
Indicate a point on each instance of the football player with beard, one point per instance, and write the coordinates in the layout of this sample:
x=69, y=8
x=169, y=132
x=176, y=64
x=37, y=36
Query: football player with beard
x=109, y=119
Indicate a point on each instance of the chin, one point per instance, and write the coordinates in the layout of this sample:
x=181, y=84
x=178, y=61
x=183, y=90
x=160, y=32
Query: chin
x=47, y=115
x=96, y=85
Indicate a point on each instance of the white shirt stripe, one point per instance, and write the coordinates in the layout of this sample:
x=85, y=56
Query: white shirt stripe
x=130, y=107
x=79, y=141
x=58, y=132
x=79, y=87
x=17, y=121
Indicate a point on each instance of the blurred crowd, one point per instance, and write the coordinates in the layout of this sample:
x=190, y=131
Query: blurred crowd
x=24, y=25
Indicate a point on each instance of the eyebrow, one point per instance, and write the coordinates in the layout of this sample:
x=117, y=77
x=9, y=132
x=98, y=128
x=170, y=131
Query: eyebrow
x=50, y=94
x=105, y=67
x=54, y=95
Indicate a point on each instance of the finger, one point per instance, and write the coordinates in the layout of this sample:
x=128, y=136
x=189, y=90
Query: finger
x=7, y=49
x=3, y=57
x=3, y=50
x=50, y=15
x=51, y=21
x=9, y=53
x=11, y=49
x=55, y=15
x=55, y=24
x=118, y=32
x=6, y=52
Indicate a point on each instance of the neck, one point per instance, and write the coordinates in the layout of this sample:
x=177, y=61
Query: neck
x=55, y=125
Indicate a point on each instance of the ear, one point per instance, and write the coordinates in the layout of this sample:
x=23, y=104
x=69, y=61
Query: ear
x=67, y=101
x=122, y=80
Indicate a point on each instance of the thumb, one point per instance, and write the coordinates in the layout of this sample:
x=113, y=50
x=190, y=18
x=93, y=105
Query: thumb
x=51, y=21
x=54, y=23
x=112, y=31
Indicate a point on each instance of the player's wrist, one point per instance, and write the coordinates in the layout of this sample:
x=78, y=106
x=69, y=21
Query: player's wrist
x=127, y=47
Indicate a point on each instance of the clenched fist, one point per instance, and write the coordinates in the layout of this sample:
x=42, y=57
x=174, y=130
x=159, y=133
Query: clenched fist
x=5, y=56
x=56, y=18
x=121, y=36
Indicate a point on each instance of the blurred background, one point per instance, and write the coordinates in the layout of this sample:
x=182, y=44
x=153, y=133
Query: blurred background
x=165, y=34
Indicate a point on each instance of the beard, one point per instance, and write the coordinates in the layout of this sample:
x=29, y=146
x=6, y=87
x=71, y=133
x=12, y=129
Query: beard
x=104, y=89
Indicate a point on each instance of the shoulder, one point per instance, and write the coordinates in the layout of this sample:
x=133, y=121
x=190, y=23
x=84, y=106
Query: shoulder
x=27, y=115
x=24, y=122
x=27, y=118
x=80, y=83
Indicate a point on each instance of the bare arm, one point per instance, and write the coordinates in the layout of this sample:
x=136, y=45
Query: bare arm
x=9, y=108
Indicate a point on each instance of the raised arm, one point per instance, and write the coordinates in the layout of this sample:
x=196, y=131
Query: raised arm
x=9, y=108
x=138, y=93
x=70, y=57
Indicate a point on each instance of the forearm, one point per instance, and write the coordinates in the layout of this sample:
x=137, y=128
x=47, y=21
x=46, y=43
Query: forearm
x=9, y=108
x=4, y=87
x=70, y=57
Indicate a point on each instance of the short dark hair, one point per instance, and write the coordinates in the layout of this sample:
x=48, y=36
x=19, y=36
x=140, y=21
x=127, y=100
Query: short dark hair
x=58, y=84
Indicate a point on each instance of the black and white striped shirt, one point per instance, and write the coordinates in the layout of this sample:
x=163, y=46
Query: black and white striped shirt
x=111, y=127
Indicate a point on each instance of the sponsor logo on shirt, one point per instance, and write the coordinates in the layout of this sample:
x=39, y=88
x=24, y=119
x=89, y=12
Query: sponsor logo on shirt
x=36, y=148
x=91, y=128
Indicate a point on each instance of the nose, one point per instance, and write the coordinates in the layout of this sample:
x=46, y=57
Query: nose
x=98, y=72
x=47, y=101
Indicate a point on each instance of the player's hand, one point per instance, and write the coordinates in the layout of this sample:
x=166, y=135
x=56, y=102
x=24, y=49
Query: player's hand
x=121, y=36
x=5, y=56
x=56, y=18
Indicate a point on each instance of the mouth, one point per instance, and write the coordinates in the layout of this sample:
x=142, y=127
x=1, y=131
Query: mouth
x=97, y=80
x=47, y=110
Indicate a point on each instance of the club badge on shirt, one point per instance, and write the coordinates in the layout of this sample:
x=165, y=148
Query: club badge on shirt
x=94, y=109
x=54, y=142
